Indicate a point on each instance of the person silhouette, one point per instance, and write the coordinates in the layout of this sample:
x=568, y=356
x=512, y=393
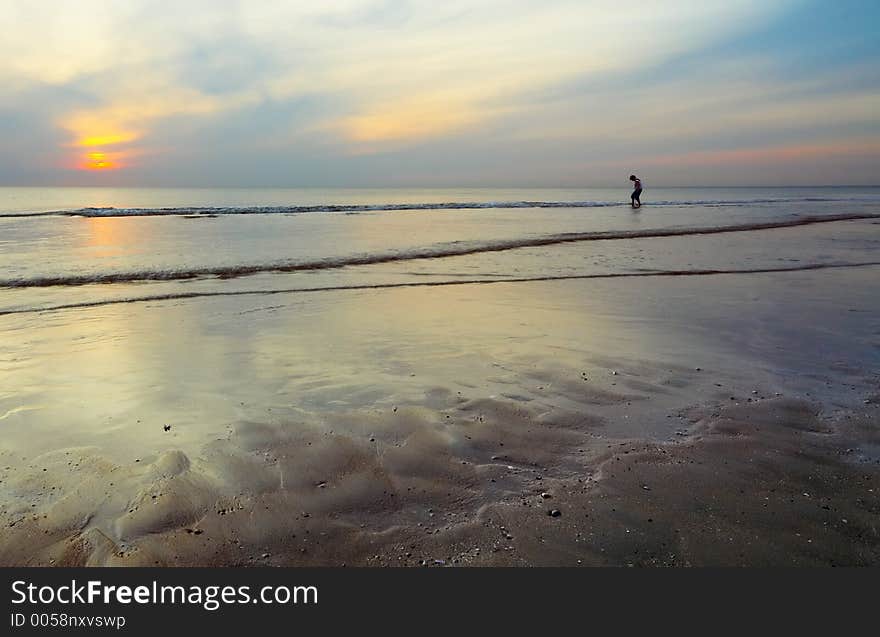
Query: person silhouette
x=637, y=191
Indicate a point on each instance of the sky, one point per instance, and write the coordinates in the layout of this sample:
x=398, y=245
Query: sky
x=421, y=93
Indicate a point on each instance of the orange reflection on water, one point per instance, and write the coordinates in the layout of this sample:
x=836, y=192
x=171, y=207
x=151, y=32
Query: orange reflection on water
x=117, y=236
x=102, y=234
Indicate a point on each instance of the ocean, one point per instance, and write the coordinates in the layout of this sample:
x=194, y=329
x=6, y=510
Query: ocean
x=82, y=246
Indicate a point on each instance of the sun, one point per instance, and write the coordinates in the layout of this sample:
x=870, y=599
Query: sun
x=100, y=143
x=98, y=160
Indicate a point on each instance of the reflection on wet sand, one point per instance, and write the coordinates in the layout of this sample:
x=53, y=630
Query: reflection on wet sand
x=412, y=424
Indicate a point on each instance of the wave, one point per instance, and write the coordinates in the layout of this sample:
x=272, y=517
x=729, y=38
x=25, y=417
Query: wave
x=392, y=207
x=443, y=250
x=445, y=283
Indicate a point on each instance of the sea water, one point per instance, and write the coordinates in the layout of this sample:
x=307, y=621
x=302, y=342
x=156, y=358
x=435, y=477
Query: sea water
x=62, y=247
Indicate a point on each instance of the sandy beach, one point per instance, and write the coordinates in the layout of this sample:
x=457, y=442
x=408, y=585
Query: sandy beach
x=709, y=419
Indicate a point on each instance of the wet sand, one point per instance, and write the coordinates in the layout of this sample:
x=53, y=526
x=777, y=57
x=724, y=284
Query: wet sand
x=714, y=420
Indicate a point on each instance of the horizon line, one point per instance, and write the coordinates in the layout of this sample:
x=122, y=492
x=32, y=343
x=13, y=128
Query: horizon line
x=427, y=187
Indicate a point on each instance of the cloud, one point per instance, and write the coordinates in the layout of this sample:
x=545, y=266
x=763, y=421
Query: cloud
x=228, y=91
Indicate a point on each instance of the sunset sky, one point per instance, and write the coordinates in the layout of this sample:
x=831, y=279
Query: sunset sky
x=428, y=93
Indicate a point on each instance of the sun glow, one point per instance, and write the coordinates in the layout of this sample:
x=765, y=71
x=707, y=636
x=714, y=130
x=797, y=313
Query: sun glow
x=107, y=139
x=101, y=139
x=100, y=160
x=94, y=156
